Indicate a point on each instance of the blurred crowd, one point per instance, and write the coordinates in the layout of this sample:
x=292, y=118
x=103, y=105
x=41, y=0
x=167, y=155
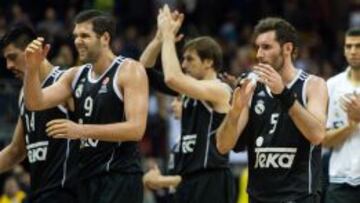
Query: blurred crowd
x=321, y=24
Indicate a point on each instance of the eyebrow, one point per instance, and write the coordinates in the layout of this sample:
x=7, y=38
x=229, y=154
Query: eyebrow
x=12, y=54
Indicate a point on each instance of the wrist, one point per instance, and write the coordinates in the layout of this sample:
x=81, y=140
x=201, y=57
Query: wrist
x=156, y=40
x=168, y=37
x=287, y=98
x=235, y=112
x=81, y=131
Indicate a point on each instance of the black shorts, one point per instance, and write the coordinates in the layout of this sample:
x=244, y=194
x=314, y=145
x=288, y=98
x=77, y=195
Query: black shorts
x=342, y=193
x=215, y=186
x=111, y=187
x=56, y=195
x=313, y=198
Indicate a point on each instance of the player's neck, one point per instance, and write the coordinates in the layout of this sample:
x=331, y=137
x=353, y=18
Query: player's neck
x=104, y=61
x=354, y=76
x=210, y=75
x=288, y=73
x=45, y=69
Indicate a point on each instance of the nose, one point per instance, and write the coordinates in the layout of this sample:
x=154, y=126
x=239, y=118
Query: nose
x=259, y=54
x=10, y=65
x=77, y=41
x=353, y=50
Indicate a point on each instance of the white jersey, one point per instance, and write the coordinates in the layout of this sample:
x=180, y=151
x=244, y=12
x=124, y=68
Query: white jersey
x=345, y=160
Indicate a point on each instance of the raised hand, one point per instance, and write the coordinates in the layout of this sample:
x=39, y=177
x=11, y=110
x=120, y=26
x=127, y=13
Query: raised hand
x=242, y=95
x=169, y=23
x=351, y=105
x=35, y=53
x=229, y=79
x=270, y=77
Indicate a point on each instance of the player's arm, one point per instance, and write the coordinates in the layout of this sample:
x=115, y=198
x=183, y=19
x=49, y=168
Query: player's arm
x=336, y=137
x=133, y=83
x=211, y=91
x=236, y=119
x=153, y=179
x=151, y=52
x=35, y=97
x=15, y=152
x=312, y=119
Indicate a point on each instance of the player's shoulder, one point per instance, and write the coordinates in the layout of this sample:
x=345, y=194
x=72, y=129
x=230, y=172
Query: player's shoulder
x=316, y=81
x=132, y=68
x=338, y=78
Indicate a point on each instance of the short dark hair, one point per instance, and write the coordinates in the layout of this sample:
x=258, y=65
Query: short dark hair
x=284, y=31
x=20, y=35
x=353, y=32
x=102, y=22
x=207, y=48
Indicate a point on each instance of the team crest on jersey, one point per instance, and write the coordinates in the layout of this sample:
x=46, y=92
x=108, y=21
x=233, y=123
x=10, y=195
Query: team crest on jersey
x=103, y=88
x=259, y=107
x=79, y=91
x=259, y=141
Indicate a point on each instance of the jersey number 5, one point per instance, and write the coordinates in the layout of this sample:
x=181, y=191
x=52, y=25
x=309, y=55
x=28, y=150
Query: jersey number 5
x=274, y=121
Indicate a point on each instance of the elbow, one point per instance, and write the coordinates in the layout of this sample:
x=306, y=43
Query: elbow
x=17, y=153
x=138, y=132
x=170, y=80
x=32, y=106
x=222, y=147
x=319, y=138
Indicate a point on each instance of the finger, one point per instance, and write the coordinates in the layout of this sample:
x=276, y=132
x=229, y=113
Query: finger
x=34, y=47
x=53, y=130
x=263, y=78
x=55, y=121
x=181, y=18
x=166, y=9
x=60, y=136
x=29, y=50
x=262, y=70
x=37, y=42
x=41, y=39
x=55, y=127
x=249, y=88
x=236, y=94
x=179, y=37
x=267, y=67
x=175, y=14
x=46, y=50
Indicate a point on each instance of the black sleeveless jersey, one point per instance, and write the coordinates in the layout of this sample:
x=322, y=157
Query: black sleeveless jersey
x=53, y=162
x=195, y=150
x=283, y=164
x=101, y=102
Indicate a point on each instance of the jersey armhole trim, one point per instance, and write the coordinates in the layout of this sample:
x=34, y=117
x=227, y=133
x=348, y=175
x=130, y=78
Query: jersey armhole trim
x=304, y=97
x=77, y=76
x=116, y=77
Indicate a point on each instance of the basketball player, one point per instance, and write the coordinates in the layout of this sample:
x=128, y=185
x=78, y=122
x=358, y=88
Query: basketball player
x=343, y=135
x=53, y=162
x=196, y=157
x=110, y=100
x=281, y=120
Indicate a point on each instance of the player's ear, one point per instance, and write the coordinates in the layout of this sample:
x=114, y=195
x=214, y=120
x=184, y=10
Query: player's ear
x=288, y=47
x=105, y=38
